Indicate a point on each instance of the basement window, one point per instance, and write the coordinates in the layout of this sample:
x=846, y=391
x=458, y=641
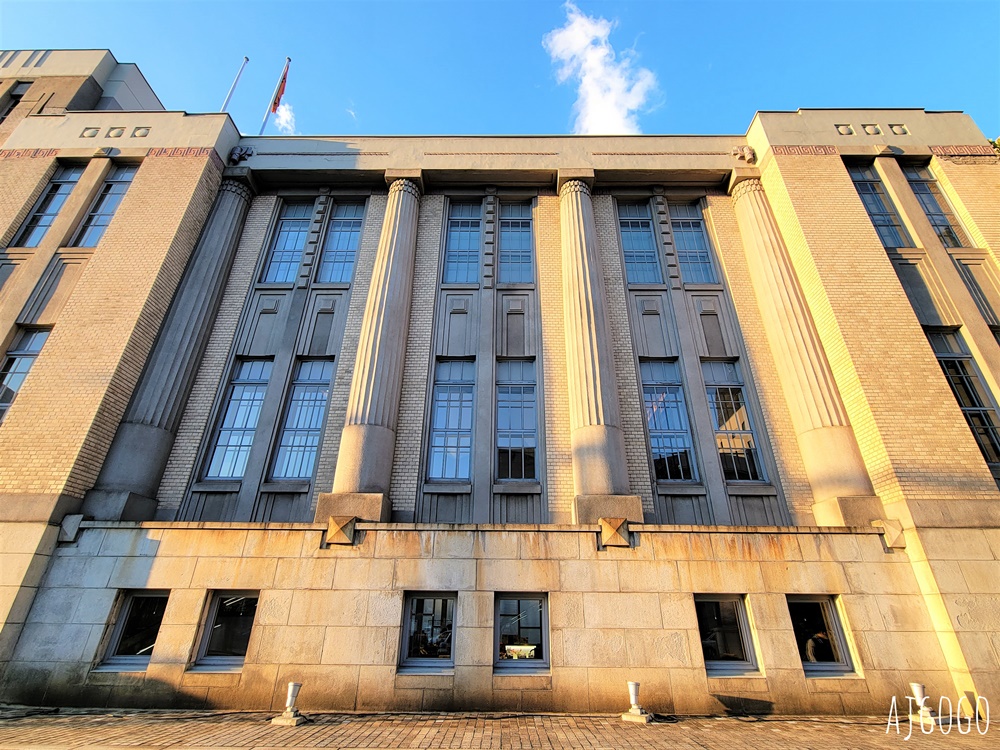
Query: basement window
x=227, y=631
x=135, y=632
x=819, y=636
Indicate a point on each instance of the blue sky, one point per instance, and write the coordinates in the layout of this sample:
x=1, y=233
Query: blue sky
x=480, y=66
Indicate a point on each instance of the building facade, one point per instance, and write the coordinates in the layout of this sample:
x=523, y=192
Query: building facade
x=433, y=423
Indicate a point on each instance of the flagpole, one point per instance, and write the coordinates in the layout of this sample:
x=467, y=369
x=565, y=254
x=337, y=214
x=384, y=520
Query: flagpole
x=270, y=105
x=235, y=81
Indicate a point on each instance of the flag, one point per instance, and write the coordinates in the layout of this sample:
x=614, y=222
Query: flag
x=279, y=92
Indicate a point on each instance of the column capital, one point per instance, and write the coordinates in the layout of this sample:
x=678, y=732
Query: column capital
x=574, y=186
x=745, y=186
x=415, y=177
x=563, y=176
x=741, y=176
x=238, y=188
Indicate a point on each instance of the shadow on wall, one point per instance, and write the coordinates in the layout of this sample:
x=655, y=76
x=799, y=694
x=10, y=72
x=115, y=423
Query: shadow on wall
x=737, y=705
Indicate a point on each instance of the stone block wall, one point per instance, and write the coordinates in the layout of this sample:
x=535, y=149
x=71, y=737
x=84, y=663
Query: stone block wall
x=331, y=617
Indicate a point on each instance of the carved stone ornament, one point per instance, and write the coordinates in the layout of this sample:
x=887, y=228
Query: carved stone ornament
x=240, y=153
x=614, y=532
x=745, y=153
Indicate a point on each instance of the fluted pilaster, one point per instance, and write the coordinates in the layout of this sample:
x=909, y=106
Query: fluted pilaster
x=138, y=455
x=368, y=440
x=596, y=437
x=829, y=449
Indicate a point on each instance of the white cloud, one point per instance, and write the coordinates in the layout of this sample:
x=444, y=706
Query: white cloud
x=285, y=121
x=610, y=90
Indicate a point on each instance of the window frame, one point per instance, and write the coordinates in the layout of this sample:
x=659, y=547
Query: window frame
x=432, y=430
x=220, y=416
x=501, y=251
x=425, y=665
x=516, y=665
x=106, y=189
x=497, y=385
x=710, y=261
x=748, y=409
x=112, y=662
x=206, y=663
x=27, y=227
x=685, y=411
x=650, y=232
x=16, y=353
x=279, y=220
x=15, y=95
x=282, y=423
x=735, y=667
x=889, y=210
x=972, y=373
x=476, y=279
x=945, y=212
x=830, y=607
x=355, y=252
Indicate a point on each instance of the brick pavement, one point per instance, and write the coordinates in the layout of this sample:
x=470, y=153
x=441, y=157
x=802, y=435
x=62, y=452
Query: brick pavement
x=75, y=728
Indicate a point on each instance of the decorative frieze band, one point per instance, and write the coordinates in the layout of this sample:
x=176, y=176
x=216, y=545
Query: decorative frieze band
x=28, y=153
x=804, y=150
x=181, y=151
x=975, y=150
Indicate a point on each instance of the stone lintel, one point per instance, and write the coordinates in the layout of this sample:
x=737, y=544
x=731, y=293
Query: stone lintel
x=589, y=509
x=366, y=506
x=44, y=507
x=118, y=505
x=565, y=175
x=861, y=510
x=415, y=176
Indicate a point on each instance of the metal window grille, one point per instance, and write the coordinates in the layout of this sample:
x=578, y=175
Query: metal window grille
x=734, y=435
x=642, y=264
x=694, y=257
x=103, y=210
x=45, y=210
x=461, y=250
x=238, y=422
x=430, y=622
x=939, y=213
x=667, y=421
x=289, y=241
x=304, y=419
x=970, y=392
x=451, y=421
x=879, y=207
x=516, y=265
x=343, y=236
x=517, y=420
x=20, y=357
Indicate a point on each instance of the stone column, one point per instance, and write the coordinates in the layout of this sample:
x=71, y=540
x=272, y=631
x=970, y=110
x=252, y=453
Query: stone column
x=364, y=463
x=842, y=490
x=130, y=477
x=600, y=477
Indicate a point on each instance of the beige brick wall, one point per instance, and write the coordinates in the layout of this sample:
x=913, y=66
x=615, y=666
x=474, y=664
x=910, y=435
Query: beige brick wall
x=555, y=387
x=337, y=412
x=22, y=180
x=972, y=184
x=213, y=365
x=629, y=400
x=781, y=439
x=417, y=363
x=84, y=377
x=914, y=440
